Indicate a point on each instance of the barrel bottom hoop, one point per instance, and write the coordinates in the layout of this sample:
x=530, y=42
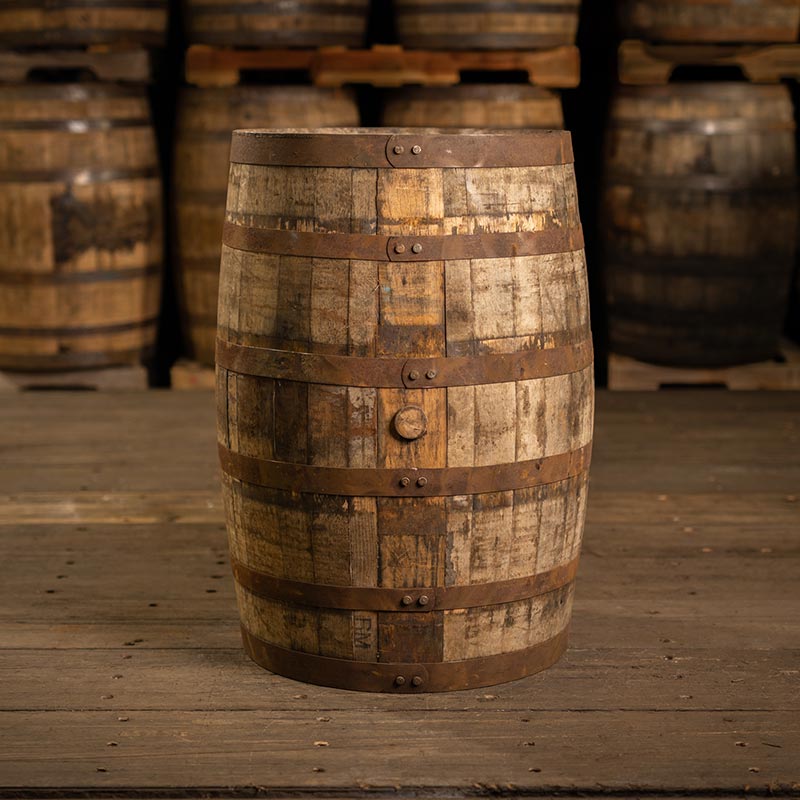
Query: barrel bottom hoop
x=408, y=482
x=68, y=362
x=96, y=276
x=487, y=41
x=413, y=373
x=422, y=600
x=87, y=330
x=200, y=35
x=365, y=676
x=83, y=37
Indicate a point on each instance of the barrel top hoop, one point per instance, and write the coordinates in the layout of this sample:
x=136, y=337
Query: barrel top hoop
x=368, y=676
x=706, y=127
x=384, y=148
x=371, y=247
x=404, y=482
x=421, y=600
x=413, y=373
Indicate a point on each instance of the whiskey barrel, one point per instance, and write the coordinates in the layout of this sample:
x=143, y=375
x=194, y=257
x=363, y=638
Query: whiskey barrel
x=711, y=20
x=486, y=24
x=68, y=23
x=474, y=106
x=405, y=403
x=206, y=120
x=288, y=23
x=80, y=226
x=700, y=222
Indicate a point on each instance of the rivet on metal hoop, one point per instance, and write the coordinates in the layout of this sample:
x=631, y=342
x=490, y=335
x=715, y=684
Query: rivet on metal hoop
x=399, y=149
x=413, y=375
x=430, y=374
x=399, y=248
x=416, y=681
x=404, y=482
x=416, y=248
x=399, y=681
x=423, y=601
x=407, y=600
x=423, y=481
x=416, y=149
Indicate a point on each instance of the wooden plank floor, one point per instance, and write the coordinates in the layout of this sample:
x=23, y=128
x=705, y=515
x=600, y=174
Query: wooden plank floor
x=121, y=673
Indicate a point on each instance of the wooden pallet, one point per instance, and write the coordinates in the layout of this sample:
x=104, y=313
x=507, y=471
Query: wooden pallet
x=781, y=374
x=643, y=63
x=382, y=65
x=128, y=64
x=189, y=375
x=111, y=379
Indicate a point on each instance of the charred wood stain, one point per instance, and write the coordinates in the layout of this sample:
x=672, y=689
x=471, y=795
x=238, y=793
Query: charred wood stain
x=100, y=225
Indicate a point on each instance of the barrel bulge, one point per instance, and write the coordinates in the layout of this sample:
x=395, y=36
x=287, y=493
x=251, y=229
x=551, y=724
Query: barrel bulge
x=69, y=23
x=502, y=106
x=712, y=20
x=485, y=25
x=80, y=227
x=700, y=222
x=206, y=120
x=290, y=23
x=486, y=491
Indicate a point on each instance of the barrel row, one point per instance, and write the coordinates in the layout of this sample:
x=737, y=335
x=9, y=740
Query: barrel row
x=405, y=402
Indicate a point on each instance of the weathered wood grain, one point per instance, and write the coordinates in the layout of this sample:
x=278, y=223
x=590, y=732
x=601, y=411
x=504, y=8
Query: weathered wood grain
x=80, y=226
x=398, y=310
x=694, y=276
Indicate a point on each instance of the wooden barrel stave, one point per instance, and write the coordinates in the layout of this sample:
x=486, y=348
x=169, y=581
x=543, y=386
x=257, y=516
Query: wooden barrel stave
x=474, y=106
x=484, y=25
x=710, y=21
x=298, y=23
x=206, y=119
x=80, y=227
x=35, y=23
x=694, y=275
x=397, y=310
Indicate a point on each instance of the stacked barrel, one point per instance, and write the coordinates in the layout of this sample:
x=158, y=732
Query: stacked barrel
x=700, y=200
x=208, y=116
x=80, y=194
x=489, y=26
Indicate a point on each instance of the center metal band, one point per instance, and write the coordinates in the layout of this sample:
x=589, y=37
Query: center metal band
x=409, y=600
x=367, y=676
x=376, y=150
x=413, y=373
x=408, y=482
x=371, y=247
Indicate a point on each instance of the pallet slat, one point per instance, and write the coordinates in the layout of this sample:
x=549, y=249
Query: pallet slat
x=112, y=379
x=382, y=65
x=131, y=64
x=641, y=63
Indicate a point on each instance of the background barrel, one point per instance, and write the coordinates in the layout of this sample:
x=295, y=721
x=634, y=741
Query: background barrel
x=482, y=24
x=711, y=20
x=82, y=22
x=290, y=23
x=206, y=119
x=405, y=402
x=80, y=226
x=700, y=222
x=474, y=106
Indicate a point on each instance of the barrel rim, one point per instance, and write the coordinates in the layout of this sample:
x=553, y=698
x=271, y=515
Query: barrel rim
x=408, y=148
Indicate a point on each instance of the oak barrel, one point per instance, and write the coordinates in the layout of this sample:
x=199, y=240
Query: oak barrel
x=474, y=106
x=700, y=222
x=206, y=120
x=80, y=226
x=68, y=23
x=277, y=23
x=486, y=24
x=405, y=403
x=708, y=21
